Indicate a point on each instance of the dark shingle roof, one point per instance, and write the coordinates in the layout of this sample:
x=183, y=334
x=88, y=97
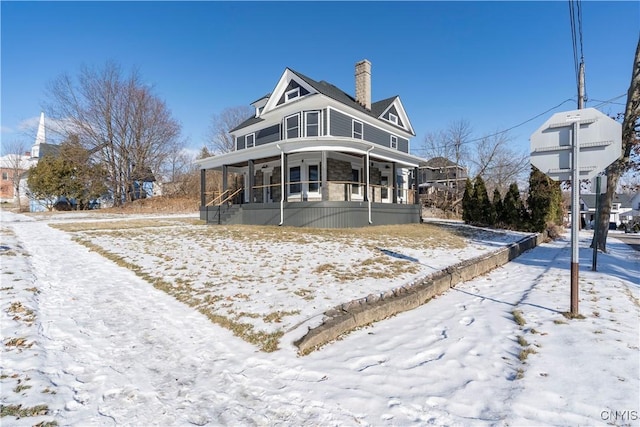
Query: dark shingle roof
x=623, y=199
x=331, y=91
x=251, y=120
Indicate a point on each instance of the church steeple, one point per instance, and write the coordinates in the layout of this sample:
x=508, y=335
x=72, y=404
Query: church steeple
x=40, y=138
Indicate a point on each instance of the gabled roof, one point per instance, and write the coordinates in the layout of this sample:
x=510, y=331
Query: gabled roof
x=378, y=108
x=624, y=200
x=440, y=162
x=251, y=120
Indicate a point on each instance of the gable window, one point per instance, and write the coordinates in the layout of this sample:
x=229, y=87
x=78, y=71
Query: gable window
x=394, y=142
x=250, y=140
x=312, y=123
x=393, y=118
x=292, y=126
x=292, y=94
x=356, y=129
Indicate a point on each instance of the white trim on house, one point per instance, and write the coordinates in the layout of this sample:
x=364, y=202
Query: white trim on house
x=280, y=88
x=292, y=94
x=401, y=113
x=353, y=129
x=253, y=140
x=367, y=119
x=286, y=127
x=393, y=142
x=322, y=143
x=318, y=124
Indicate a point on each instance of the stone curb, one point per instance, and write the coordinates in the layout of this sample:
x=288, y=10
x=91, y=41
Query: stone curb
x=373, y=308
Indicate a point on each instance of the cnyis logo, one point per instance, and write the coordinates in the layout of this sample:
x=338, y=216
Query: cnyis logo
x=627, y=415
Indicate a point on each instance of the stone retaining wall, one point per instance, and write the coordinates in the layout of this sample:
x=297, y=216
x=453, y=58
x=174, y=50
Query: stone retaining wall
x=374, y=308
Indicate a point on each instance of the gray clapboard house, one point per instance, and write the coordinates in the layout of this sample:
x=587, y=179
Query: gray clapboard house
x=345, y=159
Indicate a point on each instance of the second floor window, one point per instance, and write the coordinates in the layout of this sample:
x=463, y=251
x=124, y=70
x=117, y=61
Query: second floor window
x=250, y=140
x=312, y=120
x=394, y=142
x=292, y=126
x=357, y=129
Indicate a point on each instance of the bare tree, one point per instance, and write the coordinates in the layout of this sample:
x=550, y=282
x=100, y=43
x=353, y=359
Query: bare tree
x=498, y=163
x=218, y=136
x=118, y=119
x=450, y=145
x=630, y=146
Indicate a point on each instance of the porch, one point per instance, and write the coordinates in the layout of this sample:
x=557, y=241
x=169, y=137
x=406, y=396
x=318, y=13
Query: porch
x=307, y=185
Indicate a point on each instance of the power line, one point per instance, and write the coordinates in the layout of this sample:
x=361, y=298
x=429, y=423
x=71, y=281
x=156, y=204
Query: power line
x=575, y=17
x=609, y=101
x=507, y=129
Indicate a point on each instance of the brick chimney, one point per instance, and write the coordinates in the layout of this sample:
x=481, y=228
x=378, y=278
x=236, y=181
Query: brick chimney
x=363, y=83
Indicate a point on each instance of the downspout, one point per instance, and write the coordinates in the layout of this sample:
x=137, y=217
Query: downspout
x=282, y=172
x=368, y=184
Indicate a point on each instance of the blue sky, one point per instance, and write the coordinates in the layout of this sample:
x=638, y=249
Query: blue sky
x=495, y=64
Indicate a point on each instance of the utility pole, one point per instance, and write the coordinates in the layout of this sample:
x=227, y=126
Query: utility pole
x=575, y=200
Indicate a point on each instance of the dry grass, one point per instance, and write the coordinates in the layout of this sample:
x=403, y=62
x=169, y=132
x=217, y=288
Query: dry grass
x=154, y=249
x=518, y=317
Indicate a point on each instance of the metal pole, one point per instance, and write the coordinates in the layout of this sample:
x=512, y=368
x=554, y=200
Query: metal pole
x=575, y=197
x=575, y=219
x=594, y=264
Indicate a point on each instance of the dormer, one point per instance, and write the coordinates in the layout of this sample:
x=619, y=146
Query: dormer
x=259, y=104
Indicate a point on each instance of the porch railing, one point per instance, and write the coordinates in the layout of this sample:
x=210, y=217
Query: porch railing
x=339, y=191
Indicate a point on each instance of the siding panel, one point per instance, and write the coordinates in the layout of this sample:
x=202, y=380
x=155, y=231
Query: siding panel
x=340, y=124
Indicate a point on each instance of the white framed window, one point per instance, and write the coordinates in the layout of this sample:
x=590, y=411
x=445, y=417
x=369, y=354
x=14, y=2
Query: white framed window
x=292, y=94
x=393, y=143
x=355, y=182
x=250, y=140
x=292, y=126
x=312, y=123
x=393, y=118
x=314, y=178
x=294, y=180
x=356, y=129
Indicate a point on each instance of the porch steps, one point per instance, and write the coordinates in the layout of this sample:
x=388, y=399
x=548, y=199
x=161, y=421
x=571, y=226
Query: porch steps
x=231, y=215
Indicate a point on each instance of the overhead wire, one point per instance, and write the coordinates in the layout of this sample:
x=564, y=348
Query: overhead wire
x=507, y=129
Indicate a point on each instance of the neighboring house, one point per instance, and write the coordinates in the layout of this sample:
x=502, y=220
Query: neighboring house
x=621, y=209
x=440, y=177
x=12, y=166
x=346, y=160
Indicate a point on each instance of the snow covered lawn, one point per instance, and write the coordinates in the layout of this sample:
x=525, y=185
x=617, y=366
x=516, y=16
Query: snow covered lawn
x=261, y=282
x=88, y=342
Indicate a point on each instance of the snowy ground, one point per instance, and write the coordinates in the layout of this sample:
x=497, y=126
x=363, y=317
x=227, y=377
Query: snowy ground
x=98, y=345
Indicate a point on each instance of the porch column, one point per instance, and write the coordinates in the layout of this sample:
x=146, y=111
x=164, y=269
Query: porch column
x=416, y=185
x=323, y=177
x=203, y=187
x=365, y=171
x=284, y=171
x=394, y=183
x=225, y=170
x=252, y=180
